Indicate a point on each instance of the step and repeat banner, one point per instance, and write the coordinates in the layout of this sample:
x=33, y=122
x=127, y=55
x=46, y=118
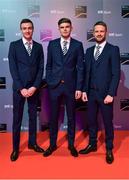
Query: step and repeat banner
x=45, y=15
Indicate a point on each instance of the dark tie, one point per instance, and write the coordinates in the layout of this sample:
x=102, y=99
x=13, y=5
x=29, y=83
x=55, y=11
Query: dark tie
x=97, y=53
x=29, y=48
x=64, y=47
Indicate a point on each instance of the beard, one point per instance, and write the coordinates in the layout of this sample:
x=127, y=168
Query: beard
x=99, y=41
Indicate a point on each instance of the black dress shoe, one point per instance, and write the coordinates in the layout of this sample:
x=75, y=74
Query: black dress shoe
x=88, y=149
x=36, y=148
x=14, y=155
x=49, y=151
x=73, y=151
x=109, y=157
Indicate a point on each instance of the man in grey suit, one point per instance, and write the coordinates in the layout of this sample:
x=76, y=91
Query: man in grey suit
x=102, y=74
x=26, y=61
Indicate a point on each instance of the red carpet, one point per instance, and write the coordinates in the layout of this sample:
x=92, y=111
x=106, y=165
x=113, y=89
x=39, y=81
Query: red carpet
x=61, y=165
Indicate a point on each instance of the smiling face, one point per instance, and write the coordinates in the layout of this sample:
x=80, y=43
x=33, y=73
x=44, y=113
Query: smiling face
x=65, y=30
x=27, y=30
x=99, y=33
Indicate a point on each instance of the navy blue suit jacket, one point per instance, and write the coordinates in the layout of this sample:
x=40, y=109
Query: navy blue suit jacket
x=70, y=66
x=26, y=70
x=107, y=70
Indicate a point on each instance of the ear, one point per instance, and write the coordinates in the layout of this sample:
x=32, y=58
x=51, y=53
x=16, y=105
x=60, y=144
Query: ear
x=71, y=28
x=93, y=33
x=58, y=28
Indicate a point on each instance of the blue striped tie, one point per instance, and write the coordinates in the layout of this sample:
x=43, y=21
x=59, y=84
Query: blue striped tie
x=97, y=54
x=29, y=48
x=64, y=47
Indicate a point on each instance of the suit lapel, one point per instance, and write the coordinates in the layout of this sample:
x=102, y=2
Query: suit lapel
x=33, y=52
x=71, y=48
x=59, y=47
x=101, y=57
x=90, y=58
x=29, y=60
x=23, y=49
x=60, y=52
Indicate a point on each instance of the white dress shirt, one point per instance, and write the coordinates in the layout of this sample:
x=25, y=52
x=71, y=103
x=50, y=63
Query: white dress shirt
x=25, y=43
x=101, y=47
x=68, y=42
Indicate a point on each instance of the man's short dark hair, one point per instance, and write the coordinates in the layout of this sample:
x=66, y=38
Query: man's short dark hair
x=101, y=23
x=64, y=20
x=26, y=21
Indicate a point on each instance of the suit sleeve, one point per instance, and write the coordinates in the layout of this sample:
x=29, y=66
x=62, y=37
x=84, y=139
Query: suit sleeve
x=115, y=70
x=13, y=67
x=39, y=76
x=86, y=74
x=80, y=67
x=49, y=63
x=84, y=89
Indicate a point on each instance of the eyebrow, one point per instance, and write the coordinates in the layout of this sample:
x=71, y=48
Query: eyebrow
x=64, y=26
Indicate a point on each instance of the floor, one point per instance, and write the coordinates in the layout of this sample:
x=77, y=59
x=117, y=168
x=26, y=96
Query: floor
x=61, y=165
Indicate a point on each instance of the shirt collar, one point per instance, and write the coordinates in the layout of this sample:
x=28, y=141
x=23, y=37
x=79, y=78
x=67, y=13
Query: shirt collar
x=62, y=40
x=25, y=41
x=102, y=44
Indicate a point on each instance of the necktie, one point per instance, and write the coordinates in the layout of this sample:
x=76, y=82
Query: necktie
x=64, y=47
x=97, y=53
x=29, y=48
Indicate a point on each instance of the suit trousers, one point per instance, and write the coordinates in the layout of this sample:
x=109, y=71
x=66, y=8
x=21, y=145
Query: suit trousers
x=18, y=107
x=95, y=102
x=56, y=95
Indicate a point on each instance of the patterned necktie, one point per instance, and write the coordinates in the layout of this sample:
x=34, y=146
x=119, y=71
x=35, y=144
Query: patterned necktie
x=29, y=48
x=97, y=53
x=64, y=47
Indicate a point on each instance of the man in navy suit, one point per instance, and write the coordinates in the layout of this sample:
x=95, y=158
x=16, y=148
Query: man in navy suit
x=102, y=74
x=26, y=61
x=64, y=75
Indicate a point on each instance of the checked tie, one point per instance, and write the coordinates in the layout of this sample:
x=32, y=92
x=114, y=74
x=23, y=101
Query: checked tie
x=29, y=48
x=97, y=54
x=64, y=47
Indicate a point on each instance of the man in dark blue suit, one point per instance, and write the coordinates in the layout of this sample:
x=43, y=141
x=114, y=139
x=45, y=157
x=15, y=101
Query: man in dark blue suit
x=26, y=61
x=102, y=65
x=64, y=75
